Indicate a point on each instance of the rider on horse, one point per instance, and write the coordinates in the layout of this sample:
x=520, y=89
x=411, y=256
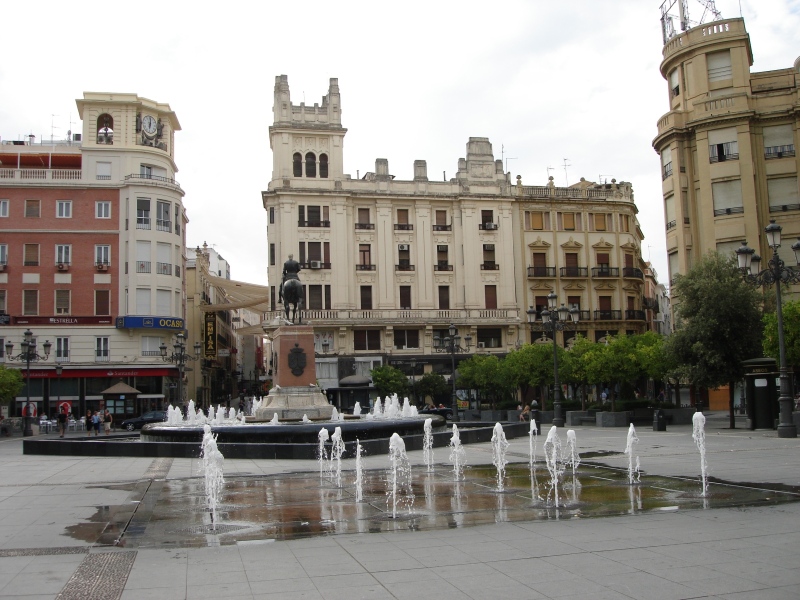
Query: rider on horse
x=290, y=270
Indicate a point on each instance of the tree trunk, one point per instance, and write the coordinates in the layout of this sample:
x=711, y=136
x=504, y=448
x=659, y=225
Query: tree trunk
x=731, y=395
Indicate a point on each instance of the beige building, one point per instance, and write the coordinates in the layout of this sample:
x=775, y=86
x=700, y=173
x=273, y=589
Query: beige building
x=727, y=146
x=389, y=264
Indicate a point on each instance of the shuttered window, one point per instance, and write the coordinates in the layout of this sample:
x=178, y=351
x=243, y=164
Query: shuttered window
x=599, y=222
x=405, y=296
x=366, y=297
x=30, y=302
x=783, y=194
x=444, y=297
x=727, y=197
x=32, y=208
x=534, y=220
x=569, y=221
x=62, y=302
x=719, y=65
x=102, y=302
x=490, y=293
x=669, y=210
x=31, y=255
x=778, y=135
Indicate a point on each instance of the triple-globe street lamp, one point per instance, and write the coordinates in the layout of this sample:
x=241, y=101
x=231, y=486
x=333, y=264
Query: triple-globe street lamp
x=27, y=355
x=452, y=344
x=776, y=274
x=180, y=358
x=555, y=320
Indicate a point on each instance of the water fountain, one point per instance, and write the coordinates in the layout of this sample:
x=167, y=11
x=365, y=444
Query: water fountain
x=322, y=456
x=457, y=455
x=275, y=420
x=634, y=475
x=357, y=409
x=699, y=437
x=359, y=482
x=552, y=456
x=399, y=474
x=334, y=414
x=337, y=449
x=573, y=459
x=499, y=449
x=427, y=444
x=532, y=434
x=212, y=472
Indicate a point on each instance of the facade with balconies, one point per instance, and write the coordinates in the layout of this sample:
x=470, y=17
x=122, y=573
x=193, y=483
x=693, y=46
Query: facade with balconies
x=93, y=253
x=389, y=264
x=727, y=145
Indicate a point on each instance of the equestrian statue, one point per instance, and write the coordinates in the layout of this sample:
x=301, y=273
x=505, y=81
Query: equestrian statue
x=291, y=290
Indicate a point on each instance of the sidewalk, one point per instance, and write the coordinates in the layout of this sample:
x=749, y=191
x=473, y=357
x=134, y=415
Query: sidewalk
x=49, y=506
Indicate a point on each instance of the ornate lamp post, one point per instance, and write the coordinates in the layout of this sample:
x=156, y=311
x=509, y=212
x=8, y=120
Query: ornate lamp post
x=452, y=345
x=180, y=358
x=775, y=273
x=27, y=355
x=555, y=320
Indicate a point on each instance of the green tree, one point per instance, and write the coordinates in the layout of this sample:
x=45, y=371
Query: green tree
x=431, y=384
x=388, y=380
x=574, y=366
x=791, y=334
x=719, y=324
x=529, y=366
x=10, y=384
x=484, y=373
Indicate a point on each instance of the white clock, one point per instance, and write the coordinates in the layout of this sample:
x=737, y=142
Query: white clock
x=149, y=125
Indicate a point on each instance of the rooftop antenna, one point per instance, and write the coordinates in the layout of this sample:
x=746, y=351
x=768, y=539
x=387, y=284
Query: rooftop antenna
x=504, y=158
x=667, y=18
x=548, y=172
x=566, y=176
x=52, y=127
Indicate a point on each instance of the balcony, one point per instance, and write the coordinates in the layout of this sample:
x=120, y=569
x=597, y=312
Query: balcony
x=154, y=180
x=365, y=267
x=42, y=175
x=163, y=268
x=403, y=227
x=608, y=315
x=314, y=265
x=650, y=303
x=784, y=207
x=778, y=151
x=102, y=357
x=667, y=172
x=396, y=317
x=313, y=223
x=733, y=210
x=632, y=272
x=442, y=266
x=541, y=271
x=490, y=265
x=404, y=266
x=164, y=225
x=574, y=271
x=365, y=225
x=443, y=228
x=142, y=222
x=634, y=315
x=605, y=271
x=488, y=226
x=722, y=152
x=672, y=224
x=142, y=266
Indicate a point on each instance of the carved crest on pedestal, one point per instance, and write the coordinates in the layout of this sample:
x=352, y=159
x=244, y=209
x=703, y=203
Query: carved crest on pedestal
x=297, y=360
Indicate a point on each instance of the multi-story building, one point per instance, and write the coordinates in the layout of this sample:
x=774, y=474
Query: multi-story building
x=389, y=264
x=727, y=146
x=92, y=254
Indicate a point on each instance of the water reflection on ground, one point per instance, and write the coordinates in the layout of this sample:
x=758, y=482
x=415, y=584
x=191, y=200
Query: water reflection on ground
x=291, y=506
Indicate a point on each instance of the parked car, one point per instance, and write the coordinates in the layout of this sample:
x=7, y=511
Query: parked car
x=447, y=413
x=154, y=416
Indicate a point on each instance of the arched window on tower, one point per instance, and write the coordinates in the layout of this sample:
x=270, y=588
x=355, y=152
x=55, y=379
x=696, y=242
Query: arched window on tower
x=105, y=129
x=323, y=165
x=297, y=164
x=311, y=165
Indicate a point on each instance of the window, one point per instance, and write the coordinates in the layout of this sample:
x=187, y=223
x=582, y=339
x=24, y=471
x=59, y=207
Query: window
x=272, y=254
x=163, y=260
x=727, y=197
x=490, y=296
x=30, y=255
x=2, y=303
x=143, y=301
x=728, y=249
x=402, y=216
x=151, y=345
x=62, y=349
x=719, y=66
x=143, y=213
x=142, y=256
x=3, y=208
x=364, y=255
x=177, y=219
x=442, y=261
x=489, y=263
x=363, y=216
x=323, y=165
x=568, y=221
x=297, y=164
x=315, y=297
x=63, y=209
x=489, y=337
x=603, y=260
x=666, y=163
x=317, y=216
x=534, y=220
x=406, y=338
x=405, y=297
x=30, y=302
x=625, y=223
x=440, y=223
x=162, y=216
x=673, y=267
x=783, y=194
x=102, y=210
x=272, y=215
x=311, y=165
x=723, y=145
x=102, y=255
x=444, y=297
x=366, y=297
x=32, y=208
x=778, y=142
x=487, y=216
x=3, y=254
x=62, y=302
x=102, y=302
x=63, y=254
x=103, y=172
x=146, y=171
x=163, y=302
x=101, y=353
x=574, y=301
x=674, y=83
x=404, y=257
x=367, y=339
x=599, y=222
x=669, y=211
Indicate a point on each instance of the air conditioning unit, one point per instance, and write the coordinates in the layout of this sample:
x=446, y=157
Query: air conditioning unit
x=441, y=248
x=314, y=264
x=403, y=247
x=62, y=266
x=488, y=247
x=76, y=137
x=101, y=267
x=481, y=344
x=490, y=226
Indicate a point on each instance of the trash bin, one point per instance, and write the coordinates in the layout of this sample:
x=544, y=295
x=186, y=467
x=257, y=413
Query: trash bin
x=762, y=391
x=659, y=420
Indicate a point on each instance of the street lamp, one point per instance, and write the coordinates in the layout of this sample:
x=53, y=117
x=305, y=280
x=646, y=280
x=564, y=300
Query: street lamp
x=452, y=345
x=775, y=273
x=28, y=354
x=555, y=320
x=180, y=358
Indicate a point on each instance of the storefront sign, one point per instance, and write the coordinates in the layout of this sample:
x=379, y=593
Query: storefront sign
x=67, y=373
x=210, y=335
x=108, y=320
x=171, y=323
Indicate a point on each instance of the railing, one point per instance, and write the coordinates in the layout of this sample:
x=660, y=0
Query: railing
x=574, y=271
x=142, y=222
x=608, y=315
x=404, y=227
x=30, y=263
x=153, y=178
x=62, y=358
x=605, y=271
x=543, y=191
x=784, y=207
x=714, y=157
x=103, y=177
x=313, y=223
x=402, y=316
x=103, y=357
x=365, y=225
x=443, y=228
x=632, y=272
x=142, y=266
x=365, y=267
x=728, y=211
x=163, y=268
x=490, y=265
x=442, y=266
x=151, y=352
x=685, y=220
x=672, y=224
x=487, y=226
x=650, y=303
x=404, y=267
x=317, y=264
x=667, y=171
x=163, y=225
x=779, y=151
x=541, y=271
x=42, y=174
x=634, y=315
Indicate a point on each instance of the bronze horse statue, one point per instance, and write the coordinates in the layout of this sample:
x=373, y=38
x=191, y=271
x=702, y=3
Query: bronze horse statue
x=292, y=294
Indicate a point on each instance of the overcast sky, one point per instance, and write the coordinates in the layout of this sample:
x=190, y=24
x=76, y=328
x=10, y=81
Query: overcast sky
x=546, y=81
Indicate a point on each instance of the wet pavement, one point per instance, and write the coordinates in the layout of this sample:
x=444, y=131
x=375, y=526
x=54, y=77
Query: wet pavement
x=130, y=527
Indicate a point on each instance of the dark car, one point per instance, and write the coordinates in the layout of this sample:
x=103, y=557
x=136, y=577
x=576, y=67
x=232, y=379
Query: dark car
x=447, y=413
x=154, y=416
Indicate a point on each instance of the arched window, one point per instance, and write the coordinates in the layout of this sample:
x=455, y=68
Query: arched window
x=311, y=165
x=105, y=129
x=323, y=165
x=297, y=164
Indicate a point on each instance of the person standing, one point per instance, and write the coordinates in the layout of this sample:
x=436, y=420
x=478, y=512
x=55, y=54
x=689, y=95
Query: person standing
x=62, y=421
x=107, y=420
x=96, y=423
x=89, y=423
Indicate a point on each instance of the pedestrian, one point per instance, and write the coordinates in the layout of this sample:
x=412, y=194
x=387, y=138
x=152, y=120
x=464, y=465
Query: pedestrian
x=96, y=423
x=603, y=397
x=107, y=420
x=526, y=413
x=62, y=421
x=89, y=424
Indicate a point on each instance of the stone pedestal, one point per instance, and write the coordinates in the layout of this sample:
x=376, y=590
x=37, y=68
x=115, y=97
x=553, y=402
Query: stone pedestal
x=295, y=392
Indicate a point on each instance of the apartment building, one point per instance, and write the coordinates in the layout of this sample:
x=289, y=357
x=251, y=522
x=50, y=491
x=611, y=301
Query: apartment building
x=91, y=256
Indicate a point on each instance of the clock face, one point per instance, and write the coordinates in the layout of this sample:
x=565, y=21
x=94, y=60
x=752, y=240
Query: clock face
x=149, y=124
